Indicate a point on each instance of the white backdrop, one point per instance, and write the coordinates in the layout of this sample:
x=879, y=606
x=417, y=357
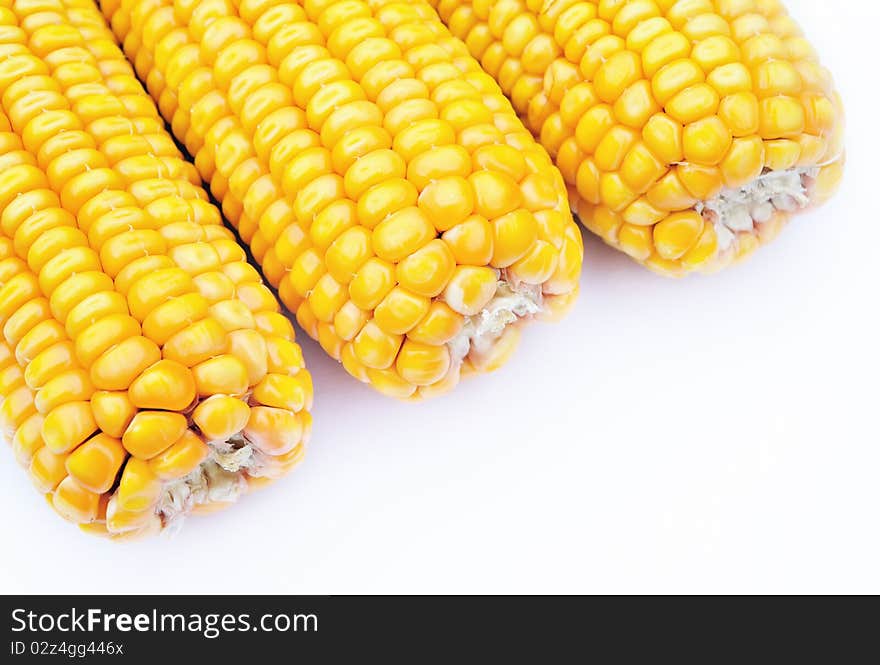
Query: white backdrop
x=715, y=434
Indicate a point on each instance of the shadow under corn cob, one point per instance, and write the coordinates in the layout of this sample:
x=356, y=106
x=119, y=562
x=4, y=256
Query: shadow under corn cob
x=381, y=179
x=146, y=370
x=689, y=131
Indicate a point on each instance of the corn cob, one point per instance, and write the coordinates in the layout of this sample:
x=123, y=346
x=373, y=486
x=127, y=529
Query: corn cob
x=689, y=131
x=146, y=370
x=379, y=177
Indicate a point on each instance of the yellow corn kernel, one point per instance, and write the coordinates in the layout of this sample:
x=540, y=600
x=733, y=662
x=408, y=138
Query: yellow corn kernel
x=112, y=411
x=220, y=416
x=74, y=502
x=66, y=426
x=139, y=487
x=275, y=431
x=96, y=463
x=222, y=375
x=676, y=234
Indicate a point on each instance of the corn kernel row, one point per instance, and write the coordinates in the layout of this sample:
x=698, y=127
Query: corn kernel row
x=154, y=328
x=379, y=177
x=650, y=108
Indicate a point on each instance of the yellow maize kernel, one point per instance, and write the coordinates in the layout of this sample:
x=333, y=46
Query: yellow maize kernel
x=119, y=521
x=220, y=416
x=173, y=316
x=112, y=411
x=348, y=321
x=401, y=234
x=703, y=182
x=27, y=316
x=496, y=194
x=676, y=234
x=781, y=154
x=422, y=364
x=139, y=486
x=400, y=310
x=221, y=375
x=11, y=378
x=426, y=271
x=348, y=252
x=184, y=456
x=326, y=297
x=641, y=168
x=664, y=137
x=165, y=385
x=744, y=162
x=47, y=469
x=513, y=234
x=249, y=346
x=72, y=385
x=119, y=366
x=68, y=425
x=274, y=323
x=438, y=326
x=636, y=105
x=715, y=51
x=694, y=103
x=196, y=343
x=282, y=355
x=781, y=117
x=96, y=463
x=376, y=348
x=470, y=289
x=293, y=393
x=663, y=50
x=151, y=432
x=440, y=162
x=447, y=202
x=704, y=250
x=152, y=289
x=74, y=502
x=40, y=337
x=674, y=78
x=616, y=74
x=537, y=265
x=636, y=241
x=741, y=113
x=103, y=334
x=389, y=382
x=275, y=431
x=28, y=439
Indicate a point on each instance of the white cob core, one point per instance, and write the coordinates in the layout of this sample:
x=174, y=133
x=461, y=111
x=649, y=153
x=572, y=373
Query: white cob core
x=511, y=304
x=218, y=479
x=735, y=210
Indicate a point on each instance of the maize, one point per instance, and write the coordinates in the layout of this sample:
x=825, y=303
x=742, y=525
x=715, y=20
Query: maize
x=689, y=131
x=379, y=177
x=147, y=372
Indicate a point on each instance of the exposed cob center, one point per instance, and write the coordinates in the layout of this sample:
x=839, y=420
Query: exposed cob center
x=220, y=478
x=743, y=209
x=478, y=341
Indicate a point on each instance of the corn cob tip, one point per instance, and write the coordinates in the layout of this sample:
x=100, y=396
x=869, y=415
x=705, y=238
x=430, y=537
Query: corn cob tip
x=690, y=130
x=379, y=177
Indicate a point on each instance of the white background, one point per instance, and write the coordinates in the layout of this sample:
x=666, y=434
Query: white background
x=713, y=434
